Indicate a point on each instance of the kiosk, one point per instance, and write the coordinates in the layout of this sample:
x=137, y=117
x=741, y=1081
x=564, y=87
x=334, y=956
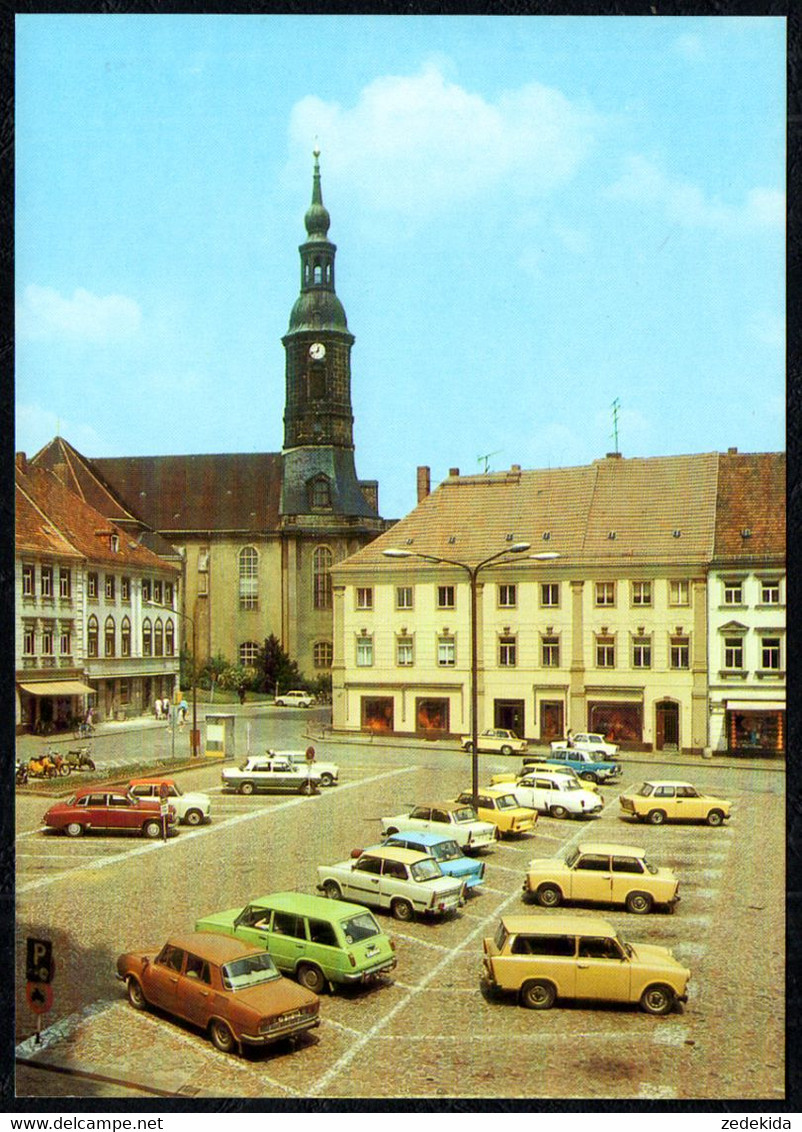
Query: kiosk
x=220, y=741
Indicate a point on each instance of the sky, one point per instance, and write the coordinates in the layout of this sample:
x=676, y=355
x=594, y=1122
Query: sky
x=536, y=218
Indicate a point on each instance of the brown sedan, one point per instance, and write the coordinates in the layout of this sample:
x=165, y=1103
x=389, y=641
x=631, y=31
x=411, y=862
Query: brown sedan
x=227, y=988
x=108, y=810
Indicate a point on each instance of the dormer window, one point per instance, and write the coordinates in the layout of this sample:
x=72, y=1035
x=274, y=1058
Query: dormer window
x=320, y=493
x=115, y=543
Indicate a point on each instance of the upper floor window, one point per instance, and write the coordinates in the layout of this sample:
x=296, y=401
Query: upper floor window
x=679, y=652
x=550, y=652
x=65, y=639
x=733, y=592
x=109, y=587
x=364, y=652
x=158, y=637
x=28, y=639
x=320, y=492
x=446, y=651
x=110, y=637
x=125, y=588
x=169, y=638
x=733, y=653
x=322, y=654
x=641, y=593
x=92, y=586
x=549, y=594
x=605, y=652
x=147, y=590
x=507, y=652
x=125, y=637
x=92, y=636
x=679, y=592
x=770, y=654
x=321, y=577
x=445, y=597
x=605, y=593
x=642, y=652
x=28, y=580
x=249, y=578
x=507, y=596
x=168, y=593
x=48, y=639
x=404, y=652
x=46, y=581
x=248, y=654
x=403, y=597
x=65, y=582
x=364, y=597
x=769, y=591
x=147, y=637
x=157, y=593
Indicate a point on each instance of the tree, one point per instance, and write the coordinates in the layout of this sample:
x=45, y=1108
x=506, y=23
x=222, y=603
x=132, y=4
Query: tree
x=277, y=671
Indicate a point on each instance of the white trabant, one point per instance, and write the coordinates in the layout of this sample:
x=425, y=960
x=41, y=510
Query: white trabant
x=588, y=741
x=496, y=739
x=263, y=772
x=294, y=699
x=457, y=819
x=556, y=794
x=402, y=881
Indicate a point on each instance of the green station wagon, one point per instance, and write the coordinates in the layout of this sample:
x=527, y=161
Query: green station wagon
x=316, y=940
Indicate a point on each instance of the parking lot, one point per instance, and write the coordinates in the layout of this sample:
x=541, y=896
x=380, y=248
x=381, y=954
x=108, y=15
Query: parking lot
x=427, y=1031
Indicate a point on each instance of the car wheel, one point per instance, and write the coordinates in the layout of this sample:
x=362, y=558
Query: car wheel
x=402, y=910
x=74, y=829
x=332, y=890
x=549, y=895
x=246, y=788
x=136, y=995
x=326, y=779
x=658, y=999
x=468, y=747
x=589, y=776
x=538, y=995
x=715, y=817
x=152, y=829
x=639, y=903
x=306, y=788
x=506, y=750
x=312, y=978
x=221, y=1036
x=656, y=817
x=558, y=812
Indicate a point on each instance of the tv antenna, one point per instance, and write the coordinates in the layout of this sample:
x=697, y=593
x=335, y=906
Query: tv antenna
x=486, y=459
x=616, y=406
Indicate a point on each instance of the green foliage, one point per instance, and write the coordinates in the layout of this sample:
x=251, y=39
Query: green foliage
x=275, y=669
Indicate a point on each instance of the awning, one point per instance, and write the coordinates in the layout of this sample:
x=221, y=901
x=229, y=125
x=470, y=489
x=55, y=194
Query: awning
x=59, y=688
x=755, y=705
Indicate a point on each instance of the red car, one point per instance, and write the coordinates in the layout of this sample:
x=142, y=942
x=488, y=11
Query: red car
x=228, y=988
x=107, y=809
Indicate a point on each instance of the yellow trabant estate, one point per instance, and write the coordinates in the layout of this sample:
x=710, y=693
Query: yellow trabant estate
x=541, y=958
x=498, y=804
x=604, y=874
x=668, y=800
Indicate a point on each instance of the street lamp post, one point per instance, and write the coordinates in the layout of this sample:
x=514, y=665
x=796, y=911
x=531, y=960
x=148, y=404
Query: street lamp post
x=193, y=741
x=472, y=572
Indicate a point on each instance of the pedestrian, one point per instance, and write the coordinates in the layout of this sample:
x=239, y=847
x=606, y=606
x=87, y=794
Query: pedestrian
x=166, y=709
x=157, y=707
x=569, y=737
x=242, y=693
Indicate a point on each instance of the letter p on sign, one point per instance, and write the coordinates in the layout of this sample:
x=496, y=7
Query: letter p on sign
x=39, y=960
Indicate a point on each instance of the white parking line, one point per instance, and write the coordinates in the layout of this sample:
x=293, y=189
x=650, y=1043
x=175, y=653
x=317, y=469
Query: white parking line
x=204, y=831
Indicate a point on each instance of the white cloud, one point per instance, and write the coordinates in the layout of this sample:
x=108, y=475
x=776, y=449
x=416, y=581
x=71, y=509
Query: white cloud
x=418, y=144
x=44, y=313
x=643, y=182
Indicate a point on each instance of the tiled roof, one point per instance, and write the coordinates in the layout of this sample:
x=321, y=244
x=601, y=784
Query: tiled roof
x=751, y=497
x=68, y=521
x=228, y=492
x=605, y=512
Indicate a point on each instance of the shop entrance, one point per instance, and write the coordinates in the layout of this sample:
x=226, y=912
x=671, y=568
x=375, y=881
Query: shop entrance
x=666, y=730
x=509, y=714
x=552, y=720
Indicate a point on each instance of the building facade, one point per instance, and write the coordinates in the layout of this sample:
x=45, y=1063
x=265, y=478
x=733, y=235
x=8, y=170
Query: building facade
x=258, y=533
x=603, y=623
x=95, y=610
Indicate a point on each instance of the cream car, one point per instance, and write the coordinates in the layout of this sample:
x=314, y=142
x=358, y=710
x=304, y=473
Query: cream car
x=497, y=739
x=602, y=873
x=542, y=958
x=663, y=800
x=499, y=806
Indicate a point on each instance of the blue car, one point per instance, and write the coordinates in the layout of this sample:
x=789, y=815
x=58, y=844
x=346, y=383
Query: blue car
x=446, y=852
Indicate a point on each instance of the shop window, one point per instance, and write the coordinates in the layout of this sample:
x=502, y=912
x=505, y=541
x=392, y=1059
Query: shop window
x=248, y=578
x=124, y=691
x=431, y=715
x=321, y=567
x=377, y=713
x=323, y=654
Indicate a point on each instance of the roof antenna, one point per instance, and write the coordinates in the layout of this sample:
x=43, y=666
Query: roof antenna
x=616, y=405
x=486, y=459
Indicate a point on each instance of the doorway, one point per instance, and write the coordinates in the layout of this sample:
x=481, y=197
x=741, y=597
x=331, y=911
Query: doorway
x=667, y=725
x=552, y=720
x=509, y=714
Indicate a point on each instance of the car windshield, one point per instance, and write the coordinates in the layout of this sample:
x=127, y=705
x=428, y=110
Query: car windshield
x=645, y=790
x=501, y=936
x=506, y=802
x=446, y=851
x=426, y=870
x=572, y=858
x=626, y=947
x=250, y=971
x=567, y=784
x=357, y=928
x=464, y=813
x=650, y=867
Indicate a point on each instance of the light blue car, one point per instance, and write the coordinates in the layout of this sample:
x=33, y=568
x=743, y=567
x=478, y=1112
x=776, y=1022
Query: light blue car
x=446, y=852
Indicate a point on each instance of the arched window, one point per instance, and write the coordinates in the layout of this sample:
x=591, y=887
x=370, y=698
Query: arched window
x=158, y=638
x=322, y=578
x=249, y=578
x=169, y=639
x=322, y=654
x=320, y=493
x=92, y=636
x=248, y=654
x=110, y=637
x=125, y=637
x=318, y=277
x=147, y=637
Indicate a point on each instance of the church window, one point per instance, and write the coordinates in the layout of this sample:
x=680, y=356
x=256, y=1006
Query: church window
x=248, y=654
x=249, y=578
x=318, y=275
x=322, y=578
x=323, y=654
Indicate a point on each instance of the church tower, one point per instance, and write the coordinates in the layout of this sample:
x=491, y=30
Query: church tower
x=318, y=455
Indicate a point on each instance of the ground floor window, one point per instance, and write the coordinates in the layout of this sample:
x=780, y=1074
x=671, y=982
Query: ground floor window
x=377, y=713
x=758, y=732
x=431, y=715
x=618, y=723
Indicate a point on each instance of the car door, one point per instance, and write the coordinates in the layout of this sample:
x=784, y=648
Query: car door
x=627, y=875
x=689, y=805
x=665, y=799
x=122, y=812
x=161, y=978
x=287, y=939
x=363, y=882
x=97, y=810
x=394, y=881
x=194, y=991
x=602, y=970
x=592, y=878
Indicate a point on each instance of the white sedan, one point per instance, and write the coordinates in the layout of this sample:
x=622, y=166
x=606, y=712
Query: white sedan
x=497, y=739
x=293, y=699
x=588, y=741
x=556, y=794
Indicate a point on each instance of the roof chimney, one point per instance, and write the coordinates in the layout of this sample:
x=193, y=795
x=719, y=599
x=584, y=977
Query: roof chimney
x=732, y=451
x=453, y=471
x=21, y=461
x=424, y=482
x=613, y=455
